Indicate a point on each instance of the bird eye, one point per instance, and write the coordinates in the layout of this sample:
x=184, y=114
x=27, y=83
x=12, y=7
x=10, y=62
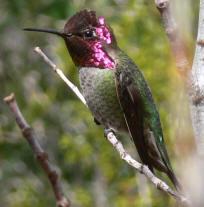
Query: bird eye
x=88, y=34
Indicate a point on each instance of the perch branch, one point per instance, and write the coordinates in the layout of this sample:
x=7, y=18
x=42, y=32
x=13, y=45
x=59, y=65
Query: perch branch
x=39, y=153
x=119, y=147
x=61, y=75
x=176, y=42
x=143, y=169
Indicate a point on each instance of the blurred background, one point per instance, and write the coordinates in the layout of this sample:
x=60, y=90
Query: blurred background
x=92, y=172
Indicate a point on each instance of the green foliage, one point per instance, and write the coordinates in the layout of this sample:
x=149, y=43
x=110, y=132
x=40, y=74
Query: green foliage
x=92, y=172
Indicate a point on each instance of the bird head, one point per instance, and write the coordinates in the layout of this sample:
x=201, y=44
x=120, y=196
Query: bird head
x=89, y=40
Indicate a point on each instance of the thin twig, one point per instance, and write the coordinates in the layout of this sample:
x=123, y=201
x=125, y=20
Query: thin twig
x=176, y=42
x=39, y=153
x=61, y=75
x=119, y=147
x=143, y=169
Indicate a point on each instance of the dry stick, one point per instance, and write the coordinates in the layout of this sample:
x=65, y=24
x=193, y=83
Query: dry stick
x=176, y=42
x=39, y=153
x=143, y=169
x=61, y=74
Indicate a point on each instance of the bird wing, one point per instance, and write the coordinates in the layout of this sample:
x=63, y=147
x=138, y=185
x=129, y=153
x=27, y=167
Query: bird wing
x=132, y=106
x=143, y=121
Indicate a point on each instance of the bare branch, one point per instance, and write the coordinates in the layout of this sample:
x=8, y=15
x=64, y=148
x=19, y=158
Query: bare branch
x=143, y=169
x=61, y=75
x=125, y=156
x=176, y=42
x=39, y=153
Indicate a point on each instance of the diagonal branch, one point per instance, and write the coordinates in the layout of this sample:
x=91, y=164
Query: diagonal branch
x=143, y=169
x=176, y=42
x=61, y=74
x=39, y=153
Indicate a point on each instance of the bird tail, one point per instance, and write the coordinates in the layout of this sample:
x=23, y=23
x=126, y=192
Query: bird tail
x=174, y=180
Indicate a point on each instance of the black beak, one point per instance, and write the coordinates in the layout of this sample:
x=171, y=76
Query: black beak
x=61, y=34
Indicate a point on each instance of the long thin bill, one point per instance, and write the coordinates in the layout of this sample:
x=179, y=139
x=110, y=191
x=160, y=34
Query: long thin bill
x=45, y=31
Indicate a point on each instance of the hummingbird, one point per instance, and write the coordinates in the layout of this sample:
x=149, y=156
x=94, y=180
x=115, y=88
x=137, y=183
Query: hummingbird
x=114, y=88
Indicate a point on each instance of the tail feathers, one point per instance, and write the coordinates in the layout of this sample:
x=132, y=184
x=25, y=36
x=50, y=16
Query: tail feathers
x=174, y=180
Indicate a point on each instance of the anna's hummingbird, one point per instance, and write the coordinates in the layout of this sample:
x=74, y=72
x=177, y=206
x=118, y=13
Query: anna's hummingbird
x=114, y=87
